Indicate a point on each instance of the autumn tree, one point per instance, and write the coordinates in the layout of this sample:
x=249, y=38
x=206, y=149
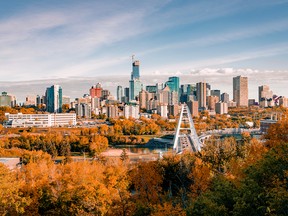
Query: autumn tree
x=11, y=200
x=98, y=145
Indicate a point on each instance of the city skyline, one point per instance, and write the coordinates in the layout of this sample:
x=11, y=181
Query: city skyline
x=59, y=40
x=77, y=87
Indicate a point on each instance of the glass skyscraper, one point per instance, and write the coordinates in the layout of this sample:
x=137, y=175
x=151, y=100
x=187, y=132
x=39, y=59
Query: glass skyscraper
x=173, y=84
x=135, y=70
x=135, y=83
x=54, y=99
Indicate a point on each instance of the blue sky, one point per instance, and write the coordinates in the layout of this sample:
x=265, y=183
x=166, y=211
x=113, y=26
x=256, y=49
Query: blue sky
x=63, y=39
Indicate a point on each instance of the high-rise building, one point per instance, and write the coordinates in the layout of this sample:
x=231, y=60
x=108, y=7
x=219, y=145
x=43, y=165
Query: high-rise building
x=144, y=97
x=240, y=90
x=216, y=92
x=225, y=97
x=163, y=96
x=135, y=83
x=173, y=84
x=264, y=93
x=201, y=95
x=119, y=93
x=135, y=88
x=96, y=90
x=135, y=70
x=193, y=107
x=54, y=99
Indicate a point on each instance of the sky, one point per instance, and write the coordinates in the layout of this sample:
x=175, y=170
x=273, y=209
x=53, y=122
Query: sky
x=78, y=43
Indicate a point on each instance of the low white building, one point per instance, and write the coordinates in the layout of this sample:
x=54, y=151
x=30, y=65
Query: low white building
x=131, y=111
x=40, y=120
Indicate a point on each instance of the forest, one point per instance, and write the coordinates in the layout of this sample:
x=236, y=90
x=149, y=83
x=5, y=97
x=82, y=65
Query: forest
x=227, y=177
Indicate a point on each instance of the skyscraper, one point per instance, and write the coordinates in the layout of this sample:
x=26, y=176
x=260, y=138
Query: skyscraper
x=201, y=95
x=135, y=83
x=54, y=99
x=119, y=93
x=225, y=97
x=96, y=90
x=173, y=84
x=135, y=70
x=216, y=93
x=240, y=91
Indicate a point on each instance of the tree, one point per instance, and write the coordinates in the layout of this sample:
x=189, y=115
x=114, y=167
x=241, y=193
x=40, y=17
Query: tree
x=147, y=179
x=11, y=200
x=277, y=133
x=98, y=145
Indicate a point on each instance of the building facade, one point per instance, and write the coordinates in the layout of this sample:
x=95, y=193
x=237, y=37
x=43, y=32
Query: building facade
x=40, y=120
x=240, y=91
x=54, y=99
x=201, y=95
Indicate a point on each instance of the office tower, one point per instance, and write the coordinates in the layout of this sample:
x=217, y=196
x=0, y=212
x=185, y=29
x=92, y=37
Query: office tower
x=173, y=84
x=125, y=98
x=96, y=90
x=225, y=97
x=119, y=93
x=54, y=99
x=163, y=96
x=135, y=70
x=135, y=83
x=264, y=93
x=240, y=91
x=144, y=97
x=193, y=107
x=216, y=93
x=135, y=88
x=201, y=95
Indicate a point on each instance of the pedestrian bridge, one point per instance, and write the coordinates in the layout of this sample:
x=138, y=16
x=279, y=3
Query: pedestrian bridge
x=186, y=138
